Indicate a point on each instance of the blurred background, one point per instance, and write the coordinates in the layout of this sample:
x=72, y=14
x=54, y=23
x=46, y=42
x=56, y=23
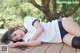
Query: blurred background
x=12, y=12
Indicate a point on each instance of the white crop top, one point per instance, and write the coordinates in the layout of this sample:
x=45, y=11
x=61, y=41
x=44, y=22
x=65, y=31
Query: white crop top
x=51, y=32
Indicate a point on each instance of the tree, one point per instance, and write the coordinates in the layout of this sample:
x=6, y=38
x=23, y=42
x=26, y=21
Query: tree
x=51, y=13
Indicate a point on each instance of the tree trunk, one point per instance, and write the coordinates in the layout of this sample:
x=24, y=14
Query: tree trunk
x=50, y=15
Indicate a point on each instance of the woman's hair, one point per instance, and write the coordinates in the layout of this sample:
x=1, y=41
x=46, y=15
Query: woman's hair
x=6, y=36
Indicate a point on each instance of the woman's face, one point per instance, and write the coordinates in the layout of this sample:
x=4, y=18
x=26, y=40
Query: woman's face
x=17, y=35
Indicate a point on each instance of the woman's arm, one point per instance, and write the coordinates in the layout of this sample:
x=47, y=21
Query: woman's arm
x=30, y=43
x=39, y=28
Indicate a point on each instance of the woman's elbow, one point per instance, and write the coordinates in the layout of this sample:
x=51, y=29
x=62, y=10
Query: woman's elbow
x=41, y=29
x=39, y=43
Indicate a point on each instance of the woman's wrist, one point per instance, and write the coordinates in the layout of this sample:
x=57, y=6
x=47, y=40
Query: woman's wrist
x=19, y=43
x=12, y=45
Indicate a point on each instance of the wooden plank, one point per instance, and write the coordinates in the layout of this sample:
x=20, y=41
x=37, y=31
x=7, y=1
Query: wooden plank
x=54, y=48
x=13, y=50
x=16, y=50
x=40, y=49
x=78, y=51
x=46, y=48
x=67, y=49
x=27, y=50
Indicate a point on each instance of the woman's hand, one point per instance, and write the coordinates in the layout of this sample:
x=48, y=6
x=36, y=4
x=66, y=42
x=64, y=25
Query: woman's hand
x=11, y=45
x=30, y=43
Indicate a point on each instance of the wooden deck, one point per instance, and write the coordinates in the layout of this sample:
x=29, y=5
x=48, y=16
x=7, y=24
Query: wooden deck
x=46, y=48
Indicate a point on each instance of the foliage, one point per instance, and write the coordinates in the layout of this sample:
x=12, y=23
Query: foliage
x=12, y=12
x=76, y=16
x=50, y=8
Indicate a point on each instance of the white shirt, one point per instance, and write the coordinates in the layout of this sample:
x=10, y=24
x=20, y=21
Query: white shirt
x=51, y=32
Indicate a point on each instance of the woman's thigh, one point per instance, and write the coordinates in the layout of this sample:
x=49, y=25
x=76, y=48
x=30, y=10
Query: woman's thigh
x=71, y=27
x=68, y=39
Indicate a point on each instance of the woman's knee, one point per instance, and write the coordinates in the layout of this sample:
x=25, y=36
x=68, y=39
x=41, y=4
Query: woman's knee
x=76, y=42
x=64, y=18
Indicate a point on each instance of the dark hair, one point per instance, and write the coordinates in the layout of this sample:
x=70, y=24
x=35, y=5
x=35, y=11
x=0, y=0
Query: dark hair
x=6, y=36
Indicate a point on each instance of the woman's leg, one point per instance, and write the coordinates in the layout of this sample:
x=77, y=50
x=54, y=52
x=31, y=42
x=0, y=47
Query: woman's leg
x=71, y=27
x=72, y=40
x=68, y=39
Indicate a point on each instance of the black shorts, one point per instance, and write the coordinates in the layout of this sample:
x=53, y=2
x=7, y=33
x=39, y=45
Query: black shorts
x=63, y=32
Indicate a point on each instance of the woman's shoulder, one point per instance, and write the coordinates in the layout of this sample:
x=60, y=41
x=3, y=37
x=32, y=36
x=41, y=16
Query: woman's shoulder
x=29, y=18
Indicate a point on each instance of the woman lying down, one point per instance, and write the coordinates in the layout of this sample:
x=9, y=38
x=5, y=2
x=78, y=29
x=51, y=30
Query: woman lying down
x=34, y=32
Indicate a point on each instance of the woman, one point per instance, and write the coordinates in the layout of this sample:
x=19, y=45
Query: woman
x=34, y=32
